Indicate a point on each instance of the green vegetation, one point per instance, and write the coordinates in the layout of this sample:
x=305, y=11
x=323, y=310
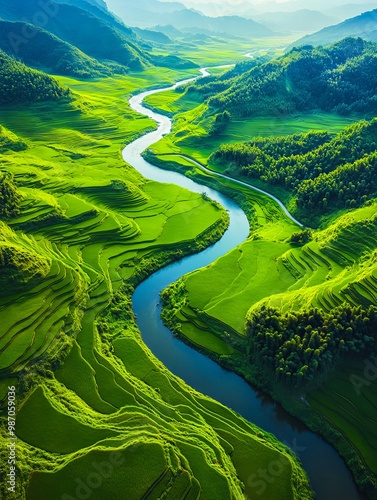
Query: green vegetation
x=346, y=408
x=10, y=197
x=8, y=140
x=291, y=305
x=296, y=347
x=339, y=78
x=88, y=228
x=325, y=173
x=20, y=84
x=47, y=52
x=99, y=38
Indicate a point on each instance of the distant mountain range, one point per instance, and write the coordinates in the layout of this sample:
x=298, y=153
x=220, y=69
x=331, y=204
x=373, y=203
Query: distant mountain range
x=303, y=20
x=363, y=26
x=148, y=13
x=250, y=8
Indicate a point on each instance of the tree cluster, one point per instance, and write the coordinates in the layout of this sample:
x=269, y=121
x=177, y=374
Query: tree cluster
x=299, y=346
x=324, y=172
x=220, y=123
x=10, y=198
x=20, y=84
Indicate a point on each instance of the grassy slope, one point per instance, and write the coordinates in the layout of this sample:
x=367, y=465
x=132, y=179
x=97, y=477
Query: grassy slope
x=324, y=273
x=95, y=220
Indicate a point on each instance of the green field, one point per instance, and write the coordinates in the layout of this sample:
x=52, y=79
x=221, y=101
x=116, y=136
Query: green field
x=89, y=391
x=214, y=50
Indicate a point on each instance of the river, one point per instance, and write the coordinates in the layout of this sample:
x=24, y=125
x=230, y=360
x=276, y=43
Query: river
x=328, y=474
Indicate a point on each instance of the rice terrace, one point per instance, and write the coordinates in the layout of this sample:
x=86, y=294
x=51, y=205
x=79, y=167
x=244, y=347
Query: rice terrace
x=188, y=256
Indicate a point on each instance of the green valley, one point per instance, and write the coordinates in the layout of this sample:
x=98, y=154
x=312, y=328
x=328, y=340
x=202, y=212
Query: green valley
x=80, y=229
x=88, y=409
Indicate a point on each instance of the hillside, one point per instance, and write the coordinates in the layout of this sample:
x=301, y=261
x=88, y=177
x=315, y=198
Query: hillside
x=47, y=52
x=10, y=141
x=363, y=26
x=340, y=78
x=103, y=39
x=20, y=84
x=303, y=21
x=153, y=36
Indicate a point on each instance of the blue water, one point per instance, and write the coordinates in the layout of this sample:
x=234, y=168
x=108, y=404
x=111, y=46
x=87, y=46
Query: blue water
x=328, y=474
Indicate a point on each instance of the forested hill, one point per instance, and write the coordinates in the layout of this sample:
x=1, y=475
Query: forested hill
x=324, y=173
x=74, y=38
x=20, y=84
x=341, y=78
x=47, y=51
x=96, y=37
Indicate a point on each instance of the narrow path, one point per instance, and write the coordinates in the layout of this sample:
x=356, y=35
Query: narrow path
x=242, y=183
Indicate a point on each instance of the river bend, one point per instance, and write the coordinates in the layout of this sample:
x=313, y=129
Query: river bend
x=327, y=472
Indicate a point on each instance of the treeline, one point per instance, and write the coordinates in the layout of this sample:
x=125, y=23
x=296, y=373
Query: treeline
x=299, y=346
x=350, y=186
x=20, y=84
x=324, y=172
x=341, y=78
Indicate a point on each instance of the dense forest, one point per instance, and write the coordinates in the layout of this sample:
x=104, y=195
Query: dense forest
x=341, y=78
x=324, y=172
x=298, y=346
x=20, y=84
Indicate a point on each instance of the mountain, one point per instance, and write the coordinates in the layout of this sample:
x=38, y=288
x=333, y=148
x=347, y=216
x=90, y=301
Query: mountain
x=46, y=51
x=350, y=10
x=148, y=13
x=103, y=39
x=341, y=78
x=304, y=20
x=169, y=31
x=20, y=84
x=154, y=36
x=363, y=26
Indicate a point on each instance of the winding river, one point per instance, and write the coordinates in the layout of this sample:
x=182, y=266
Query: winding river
x=328, y=474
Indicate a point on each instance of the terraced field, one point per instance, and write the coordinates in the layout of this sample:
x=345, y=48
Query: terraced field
x=97, y=412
